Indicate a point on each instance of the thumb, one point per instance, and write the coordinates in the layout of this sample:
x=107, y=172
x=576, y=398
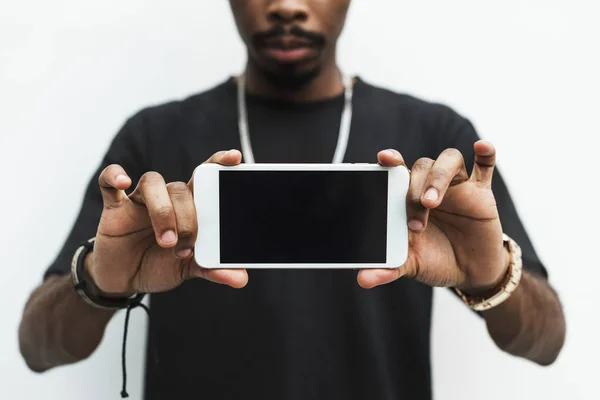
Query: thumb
x=236, y=278
x=485, y=161
x=113, y=181
x=225, y=157
x=370, y=278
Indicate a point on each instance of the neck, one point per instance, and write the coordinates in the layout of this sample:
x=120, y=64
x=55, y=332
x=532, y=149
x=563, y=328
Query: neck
x=328, y=83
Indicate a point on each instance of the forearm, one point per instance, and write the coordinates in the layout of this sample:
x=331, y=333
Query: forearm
x=58, y=327
x=530, y=323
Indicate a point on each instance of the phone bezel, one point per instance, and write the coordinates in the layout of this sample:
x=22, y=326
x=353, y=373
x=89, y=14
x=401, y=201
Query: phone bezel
x=206, y=200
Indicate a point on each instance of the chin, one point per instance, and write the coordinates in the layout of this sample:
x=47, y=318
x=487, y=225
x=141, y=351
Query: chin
x=291, y=76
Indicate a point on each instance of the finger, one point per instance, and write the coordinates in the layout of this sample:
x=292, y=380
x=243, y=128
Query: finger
x=226, y=157
x=185, y=216
x=370, y=278
x=417, y=214
x=113, y=181
x=152, y=191
x=485, y=161
x=231, y=157
x=390, y=158
x=236, y=278
x=449, y=169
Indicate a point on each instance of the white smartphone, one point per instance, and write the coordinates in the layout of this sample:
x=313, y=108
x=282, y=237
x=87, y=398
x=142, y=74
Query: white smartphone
x=301, y=216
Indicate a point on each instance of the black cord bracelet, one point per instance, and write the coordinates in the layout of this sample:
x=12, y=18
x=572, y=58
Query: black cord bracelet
x=77, y=274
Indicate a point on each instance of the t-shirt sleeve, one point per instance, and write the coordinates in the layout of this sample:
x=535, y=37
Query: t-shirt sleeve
x=461, y=134
x=128, y=149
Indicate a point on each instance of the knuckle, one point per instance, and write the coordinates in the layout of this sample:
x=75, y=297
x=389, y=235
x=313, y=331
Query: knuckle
x=178, y=189
x=216, y=156
x=102, y=178
x=186, y=236
x=151, y=177
x=111, y=168
x=414, y=197
x=453, y=152
x=439, y=174
x=106, y=172
x=423, y=163
x=115, y=168
x=164, y=212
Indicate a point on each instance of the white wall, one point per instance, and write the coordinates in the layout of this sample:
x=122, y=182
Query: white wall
x=526, y=73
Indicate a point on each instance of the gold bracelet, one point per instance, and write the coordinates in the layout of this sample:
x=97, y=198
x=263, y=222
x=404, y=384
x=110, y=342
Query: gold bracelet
x=508, y=285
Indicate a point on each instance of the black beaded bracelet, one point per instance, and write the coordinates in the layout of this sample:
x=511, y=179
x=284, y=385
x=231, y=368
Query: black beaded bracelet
x=77, y=274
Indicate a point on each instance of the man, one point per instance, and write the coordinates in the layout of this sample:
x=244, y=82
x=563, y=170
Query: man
x=292, y=334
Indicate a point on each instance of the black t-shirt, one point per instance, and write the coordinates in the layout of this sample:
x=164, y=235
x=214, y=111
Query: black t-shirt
x=290, y=334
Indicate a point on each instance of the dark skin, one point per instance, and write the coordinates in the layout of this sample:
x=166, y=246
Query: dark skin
x=144, y=240
x=323, y=18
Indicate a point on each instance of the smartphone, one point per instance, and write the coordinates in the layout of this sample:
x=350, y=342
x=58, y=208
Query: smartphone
x=301, y=216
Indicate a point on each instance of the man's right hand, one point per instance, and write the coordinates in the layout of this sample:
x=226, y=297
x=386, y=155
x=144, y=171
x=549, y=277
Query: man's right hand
x=145, y=241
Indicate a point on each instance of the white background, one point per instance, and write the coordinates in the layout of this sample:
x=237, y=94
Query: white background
x=525, y=72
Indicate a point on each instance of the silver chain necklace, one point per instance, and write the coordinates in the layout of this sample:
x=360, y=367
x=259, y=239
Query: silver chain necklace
x=343, y=135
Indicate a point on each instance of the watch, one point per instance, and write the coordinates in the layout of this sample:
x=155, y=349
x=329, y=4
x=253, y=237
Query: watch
x=508, y=285
x=82, y=283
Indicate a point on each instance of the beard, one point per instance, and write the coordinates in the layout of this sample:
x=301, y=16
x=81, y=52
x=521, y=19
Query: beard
x=281, y=75
x=287, y=77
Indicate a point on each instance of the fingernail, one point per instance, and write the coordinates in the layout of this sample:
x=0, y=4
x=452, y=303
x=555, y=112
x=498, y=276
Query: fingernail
x=121, y=178
x=390, y=153
x=184, y=253
x=168, y=237
x=415, y=225
x=431, y=194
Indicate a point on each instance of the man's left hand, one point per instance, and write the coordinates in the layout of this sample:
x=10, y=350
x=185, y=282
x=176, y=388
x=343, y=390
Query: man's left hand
x=455, y=235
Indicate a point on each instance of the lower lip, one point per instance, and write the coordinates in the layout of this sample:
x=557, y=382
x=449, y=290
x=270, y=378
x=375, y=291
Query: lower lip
x=289, y=55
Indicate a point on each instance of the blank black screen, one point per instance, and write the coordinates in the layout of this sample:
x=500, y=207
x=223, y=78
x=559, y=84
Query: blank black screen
x=270, y=217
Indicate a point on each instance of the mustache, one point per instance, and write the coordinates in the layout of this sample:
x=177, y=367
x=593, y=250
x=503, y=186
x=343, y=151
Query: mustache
x=259, y=39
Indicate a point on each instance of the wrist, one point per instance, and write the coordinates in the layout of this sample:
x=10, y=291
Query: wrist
x=92, y=287
x=83, y=266
x=486, y=289
x=493, y=297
